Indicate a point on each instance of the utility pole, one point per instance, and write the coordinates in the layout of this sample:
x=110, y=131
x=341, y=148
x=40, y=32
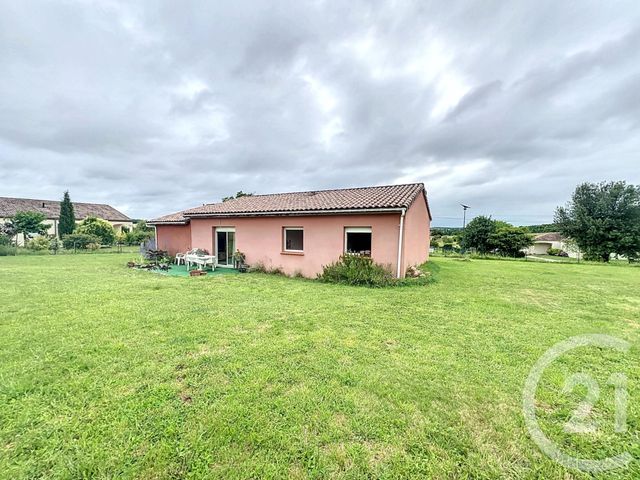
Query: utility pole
x=464, y=215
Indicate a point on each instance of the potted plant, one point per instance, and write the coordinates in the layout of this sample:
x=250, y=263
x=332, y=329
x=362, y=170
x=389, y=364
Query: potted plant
x=238, y=259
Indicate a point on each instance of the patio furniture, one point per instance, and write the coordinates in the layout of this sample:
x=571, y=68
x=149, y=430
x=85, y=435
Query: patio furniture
x=180, y=258
x=202, y=261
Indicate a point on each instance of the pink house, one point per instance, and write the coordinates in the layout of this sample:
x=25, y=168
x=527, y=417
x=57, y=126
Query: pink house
x=300, y=232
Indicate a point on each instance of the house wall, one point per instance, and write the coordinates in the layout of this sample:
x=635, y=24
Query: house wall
x=260, y=238
x=417, y=231
x=541, y=247
x=118, y=226
x=173, y=238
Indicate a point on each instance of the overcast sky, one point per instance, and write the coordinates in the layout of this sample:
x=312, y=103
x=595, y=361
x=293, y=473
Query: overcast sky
x=154, y=106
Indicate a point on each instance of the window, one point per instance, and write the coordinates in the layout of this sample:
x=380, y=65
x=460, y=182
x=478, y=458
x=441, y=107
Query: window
x=357, y=240
x=293, y=239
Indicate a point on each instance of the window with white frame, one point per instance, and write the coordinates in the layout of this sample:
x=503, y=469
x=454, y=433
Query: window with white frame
x=357, y=240
x=293, y=239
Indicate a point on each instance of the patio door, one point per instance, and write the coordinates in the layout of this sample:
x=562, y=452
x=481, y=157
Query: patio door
x=225, y=245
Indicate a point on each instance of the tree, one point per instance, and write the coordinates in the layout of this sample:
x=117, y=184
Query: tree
x=98, y=227
x=29, y=223
x=141, y=232
x=67, y=223
x=477, y=234
x=603, y=219
x=7, y=232
x=488, y=235
x=510, y=240
x=238, y=195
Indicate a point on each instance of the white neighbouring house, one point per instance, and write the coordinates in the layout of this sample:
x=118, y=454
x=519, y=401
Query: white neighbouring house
x=51, y=210
x=545, y=241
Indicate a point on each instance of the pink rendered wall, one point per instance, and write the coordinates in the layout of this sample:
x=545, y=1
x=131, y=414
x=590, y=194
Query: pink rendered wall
x=260, y=238
x=417, y=230
x=173, y=238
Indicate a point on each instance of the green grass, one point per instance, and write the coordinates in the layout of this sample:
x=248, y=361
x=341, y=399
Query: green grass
x=109, y=372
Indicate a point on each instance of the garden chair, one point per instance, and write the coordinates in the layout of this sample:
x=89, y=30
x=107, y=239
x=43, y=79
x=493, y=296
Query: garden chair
x=180, y=258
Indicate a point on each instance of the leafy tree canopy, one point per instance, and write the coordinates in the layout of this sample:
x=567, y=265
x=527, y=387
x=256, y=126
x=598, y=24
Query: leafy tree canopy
x=238, y=195
x=602, y=219
x=98, y=227
x=477, y=234
x=542, y=228
x=441, y=231
x=29, y=223
x=67, y=223
x=487, y=235
x=509, y=241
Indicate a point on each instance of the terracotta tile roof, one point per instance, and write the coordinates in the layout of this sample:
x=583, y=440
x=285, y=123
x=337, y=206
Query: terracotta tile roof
x=549, y=237
x=51, y=209
x=384, y=197
x=177, y=217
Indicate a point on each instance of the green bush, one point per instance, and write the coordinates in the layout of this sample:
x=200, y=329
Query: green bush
x=99, y=228
x=357, y=270
x=554, y=252
x=5, y=240
x=6, y=250
x=260, y=267
x=39, y=243
x=78, y=240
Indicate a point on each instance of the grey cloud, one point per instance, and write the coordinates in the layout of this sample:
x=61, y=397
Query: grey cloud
x=163, y=105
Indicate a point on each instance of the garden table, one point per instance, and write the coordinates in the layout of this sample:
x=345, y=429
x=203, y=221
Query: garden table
x=201, y=260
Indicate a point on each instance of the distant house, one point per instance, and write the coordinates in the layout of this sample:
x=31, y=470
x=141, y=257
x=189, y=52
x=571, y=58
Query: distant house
x=300, y=232
x=545, y=241
x=51, y=210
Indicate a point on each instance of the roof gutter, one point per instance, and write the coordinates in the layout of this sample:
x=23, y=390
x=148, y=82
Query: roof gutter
x=400, y=235
x=297, y=212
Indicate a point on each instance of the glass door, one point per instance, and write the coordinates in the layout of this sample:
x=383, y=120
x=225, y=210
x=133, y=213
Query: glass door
x=225, y=246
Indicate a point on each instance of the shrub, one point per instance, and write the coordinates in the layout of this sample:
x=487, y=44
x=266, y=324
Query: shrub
x=260, y=267
x=5, y=240
x=275, y=271
x=6, y=250
x=554, y=252
x=357, y=270
x=93, y=246
x=99, y=228
x=54, y=245
x=78, y=240
x=39, y=243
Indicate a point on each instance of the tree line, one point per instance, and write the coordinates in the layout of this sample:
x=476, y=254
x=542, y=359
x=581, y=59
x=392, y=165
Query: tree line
x=91, y=233
x=601, y=219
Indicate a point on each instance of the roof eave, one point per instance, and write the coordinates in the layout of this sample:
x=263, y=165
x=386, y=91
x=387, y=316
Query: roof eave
x=282, y=213
x=151, y=222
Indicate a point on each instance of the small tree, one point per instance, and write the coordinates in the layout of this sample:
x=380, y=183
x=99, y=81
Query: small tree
x=477, y=234
x=602, y=219
x=510, y=241
x=98, y=227
x=28, y=224
x=67, y=223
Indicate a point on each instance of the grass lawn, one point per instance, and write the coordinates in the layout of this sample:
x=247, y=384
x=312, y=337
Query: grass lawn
x=110, y=372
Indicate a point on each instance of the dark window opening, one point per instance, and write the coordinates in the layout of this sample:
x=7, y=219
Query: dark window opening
x=293, y=240
x=359, y=242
